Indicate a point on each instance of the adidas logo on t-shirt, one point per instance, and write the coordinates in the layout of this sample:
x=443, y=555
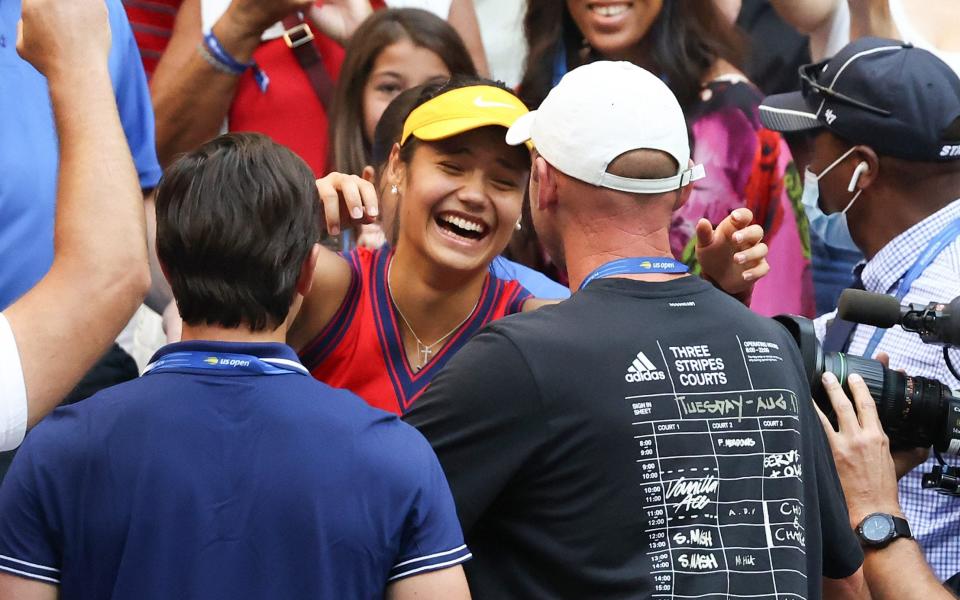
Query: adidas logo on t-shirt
x=641, y=369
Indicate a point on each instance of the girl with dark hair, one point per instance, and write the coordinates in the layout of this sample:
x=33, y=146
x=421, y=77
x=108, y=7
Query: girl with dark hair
x=383, y=322
x=694, y=48
x=393, y=50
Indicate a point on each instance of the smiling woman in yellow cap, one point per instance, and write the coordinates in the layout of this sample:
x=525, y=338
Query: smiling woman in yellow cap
x=382, y=323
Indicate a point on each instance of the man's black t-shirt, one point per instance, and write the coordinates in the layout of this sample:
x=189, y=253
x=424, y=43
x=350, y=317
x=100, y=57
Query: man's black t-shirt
x=640, y=440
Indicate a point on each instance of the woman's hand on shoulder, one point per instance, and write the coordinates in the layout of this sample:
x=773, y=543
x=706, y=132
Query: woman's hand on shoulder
x=732, y=256
x=347, y=197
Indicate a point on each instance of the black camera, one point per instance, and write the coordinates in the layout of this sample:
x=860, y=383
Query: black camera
x=916, y=412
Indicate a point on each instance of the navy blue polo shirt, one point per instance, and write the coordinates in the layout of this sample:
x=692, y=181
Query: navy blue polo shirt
x=213, y=481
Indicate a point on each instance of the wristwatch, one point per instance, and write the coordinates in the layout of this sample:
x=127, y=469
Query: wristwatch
x=877, y=530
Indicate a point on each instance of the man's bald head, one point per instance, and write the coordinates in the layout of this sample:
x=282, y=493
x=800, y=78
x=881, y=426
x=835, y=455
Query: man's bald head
x=644, y=164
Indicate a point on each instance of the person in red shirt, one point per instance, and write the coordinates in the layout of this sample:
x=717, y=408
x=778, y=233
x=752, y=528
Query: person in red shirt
x=195, y=96
x=382, y=323
x=152, y=24
x=194, y=92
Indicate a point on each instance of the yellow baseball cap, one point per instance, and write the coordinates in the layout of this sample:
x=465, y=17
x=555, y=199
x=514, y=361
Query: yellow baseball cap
x=461, y=110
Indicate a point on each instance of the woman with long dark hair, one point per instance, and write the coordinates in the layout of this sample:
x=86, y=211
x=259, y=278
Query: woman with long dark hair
x=392, y=51
x=694, y=48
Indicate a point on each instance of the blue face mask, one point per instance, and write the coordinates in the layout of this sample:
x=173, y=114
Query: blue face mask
x=832, y=228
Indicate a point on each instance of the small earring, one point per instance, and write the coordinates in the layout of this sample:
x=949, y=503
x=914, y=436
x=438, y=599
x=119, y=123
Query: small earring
x=518, y=226
x=394, y=189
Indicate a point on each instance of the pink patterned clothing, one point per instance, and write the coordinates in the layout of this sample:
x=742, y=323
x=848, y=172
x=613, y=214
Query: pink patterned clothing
x=749, y=166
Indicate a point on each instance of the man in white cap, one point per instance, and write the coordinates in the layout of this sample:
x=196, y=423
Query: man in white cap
x=650, y=437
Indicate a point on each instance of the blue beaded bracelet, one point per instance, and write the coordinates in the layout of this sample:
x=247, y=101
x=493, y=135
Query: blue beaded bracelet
x=232, y=65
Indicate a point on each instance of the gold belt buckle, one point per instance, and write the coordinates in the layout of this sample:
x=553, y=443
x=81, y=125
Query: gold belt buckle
x=290, y=35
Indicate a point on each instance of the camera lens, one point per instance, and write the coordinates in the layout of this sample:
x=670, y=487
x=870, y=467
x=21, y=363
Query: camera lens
x=912, y=410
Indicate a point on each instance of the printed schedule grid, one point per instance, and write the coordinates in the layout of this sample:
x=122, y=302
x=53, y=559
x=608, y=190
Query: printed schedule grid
x=722, y=485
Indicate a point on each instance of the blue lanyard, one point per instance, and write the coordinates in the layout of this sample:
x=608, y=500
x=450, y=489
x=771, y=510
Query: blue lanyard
x=636, y=266
x=929, y=254
x=228, y=364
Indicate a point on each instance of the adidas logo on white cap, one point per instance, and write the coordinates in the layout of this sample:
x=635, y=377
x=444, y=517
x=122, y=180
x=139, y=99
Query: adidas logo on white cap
x=641, y=369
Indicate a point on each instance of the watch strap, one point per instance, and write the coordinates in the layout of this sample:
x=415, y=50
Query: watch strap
x=901, y=528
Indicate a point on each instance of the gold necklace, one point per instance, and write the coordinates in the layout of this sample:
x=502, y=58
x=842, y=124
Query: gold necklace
x=424, y=351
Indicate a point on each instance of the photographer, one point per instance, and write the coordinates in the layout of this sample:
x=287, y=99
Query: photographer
x=886, y=163
x=861, y=452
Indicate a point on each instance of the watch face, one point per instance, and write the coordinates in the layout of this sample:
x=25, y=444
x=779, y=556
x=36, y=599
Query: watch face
x=877, y=528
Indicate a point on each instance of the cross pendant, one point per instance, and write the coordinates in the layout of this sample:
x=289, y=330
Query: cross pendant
x=425, y=354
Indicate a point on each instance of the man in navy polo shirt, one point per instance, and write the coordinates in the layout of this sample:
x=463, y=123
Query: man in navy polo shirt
x=226, y=471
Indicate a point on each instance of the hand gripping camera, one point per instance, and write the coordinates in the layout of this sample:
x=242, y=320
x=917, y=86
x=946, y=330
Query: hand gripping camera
x=916, y=412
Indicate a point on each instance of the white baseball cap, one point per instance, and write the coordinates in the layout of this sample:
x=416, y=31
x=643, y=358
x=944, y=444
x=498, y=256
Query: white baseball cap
x=602, y=110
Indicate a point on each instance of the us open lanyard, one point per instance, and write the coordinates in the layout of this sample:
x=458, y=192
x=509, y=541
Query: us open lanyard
x=933, y=249
x=233, y=364
x=635, y=266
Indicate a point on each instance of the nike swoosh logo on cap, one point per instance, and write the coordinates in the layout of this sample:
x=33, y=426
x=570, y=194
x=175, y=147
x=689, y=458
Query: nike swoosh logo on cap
x=479, y=101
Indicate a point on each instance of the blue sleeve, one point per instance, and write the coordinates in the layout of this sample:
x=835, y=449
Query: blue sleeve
x=27, y=543
x=432, y=538
x=133, y=97
x=536, y=282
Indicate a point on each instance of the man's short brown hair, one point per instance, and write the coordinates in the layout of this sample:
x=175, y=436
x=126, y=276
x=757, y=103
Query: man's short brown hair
x=236, y=219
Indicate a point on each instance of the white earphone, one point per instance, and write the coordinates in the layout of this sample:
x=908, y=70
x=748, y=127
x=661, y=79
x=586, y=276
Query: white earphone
x=862, y=168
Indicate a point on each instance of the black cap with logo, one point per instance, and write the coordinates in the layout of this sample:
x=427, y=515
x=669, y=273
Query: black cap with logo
x=886, y=94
